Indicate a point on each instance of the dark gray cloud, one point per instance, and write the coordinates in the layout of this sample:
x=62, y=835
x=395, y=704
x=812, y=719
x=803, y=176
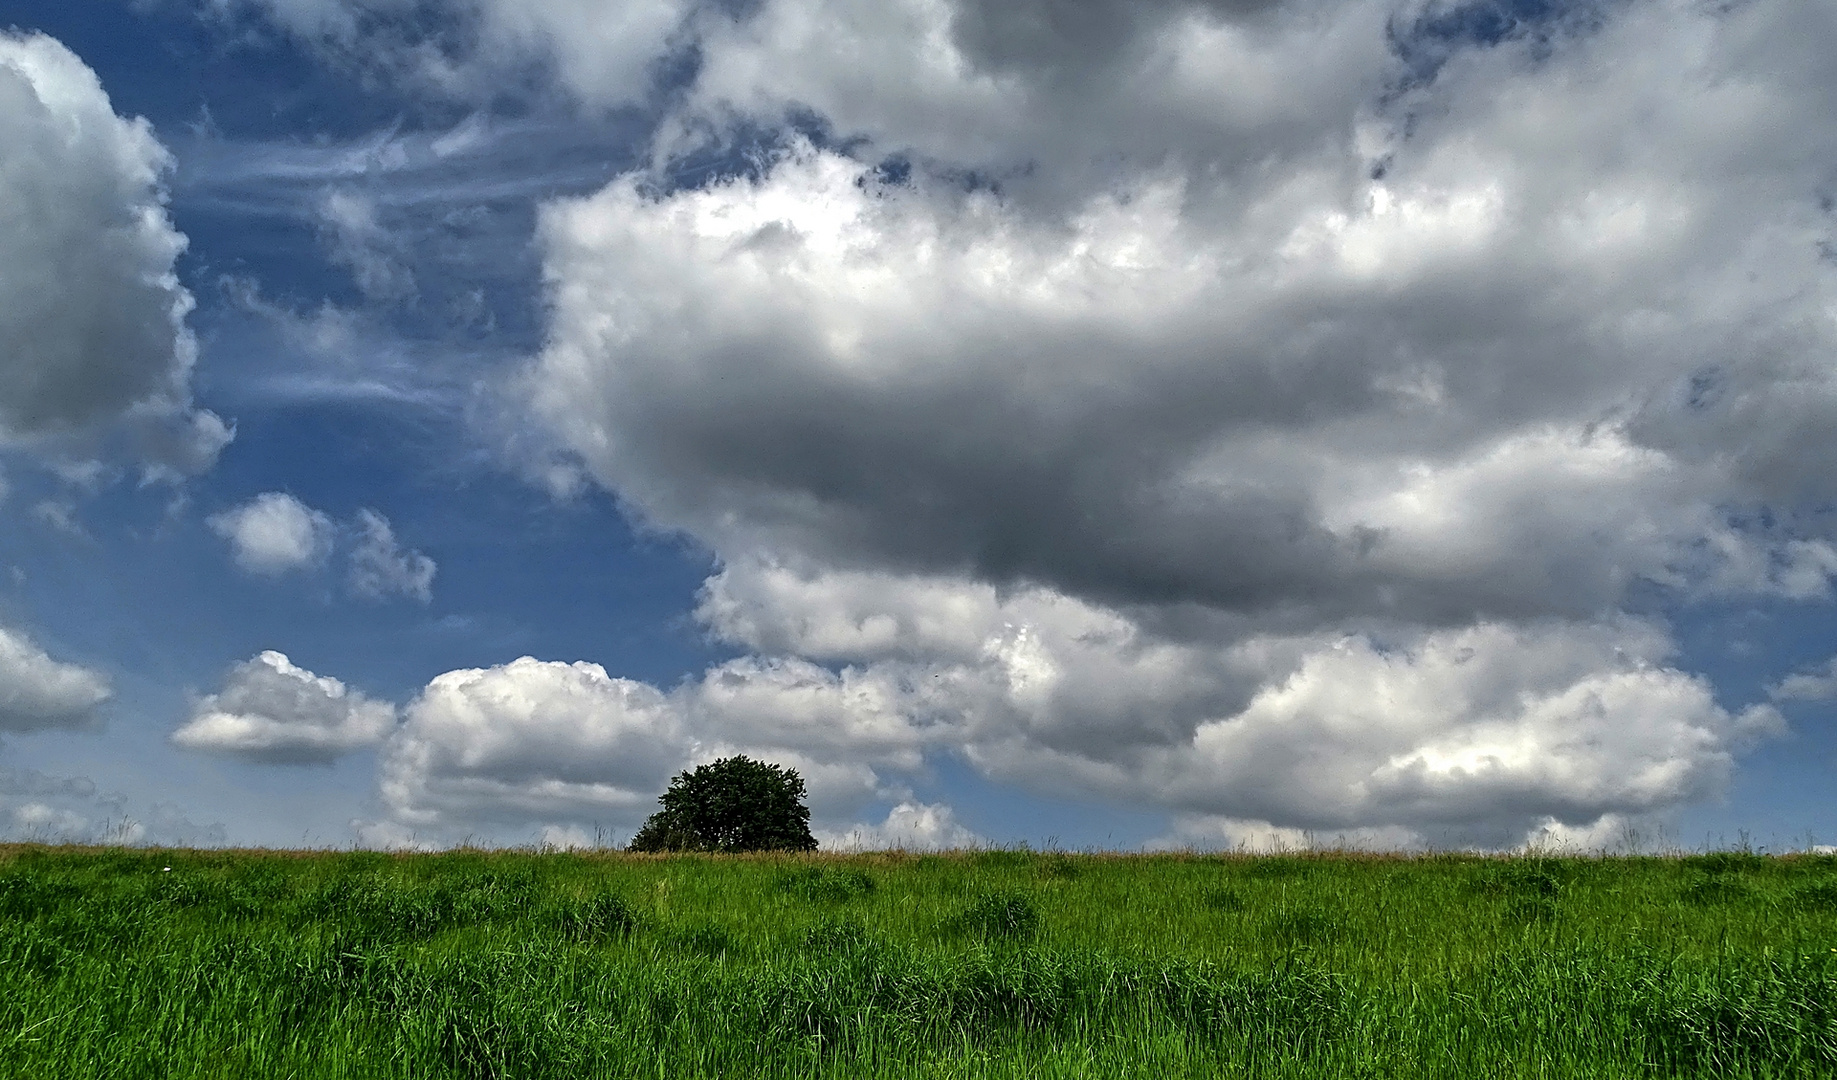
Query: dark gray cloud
x=1073, y=40
x=90, y=308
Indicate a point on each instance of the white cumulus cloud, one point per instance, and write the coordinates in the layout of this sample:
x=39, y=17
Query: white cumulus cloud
x=274, y=711
x=531, y=740
x=1485, y=735
x=274, y=533
x=566, y=746
x=37, y=808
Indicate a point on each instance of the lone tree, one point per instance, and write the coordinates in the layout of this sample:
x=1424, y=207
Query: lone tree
x=734, y=804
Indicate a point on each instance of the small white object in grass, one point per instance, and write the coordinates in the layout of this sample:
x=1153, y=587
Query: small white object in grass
x=166, y=869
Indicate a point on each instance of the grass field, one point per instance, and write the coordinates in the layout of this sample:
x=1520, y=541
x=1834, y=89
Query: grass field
x=993, y=964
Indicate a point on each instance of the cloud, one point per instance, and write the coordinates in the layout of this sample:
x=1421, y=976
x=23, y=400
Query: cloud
x=531, y=740
x=1264, y=412
x=546, y=744
x=270, y=710
x=37, y=692
x=275, y=533
x=381, y=569
x=910, y=826
x=1481, y=736
x=37, y=808
x=360, y=243
x=1208, y=832
x=476, y=49
x=90, y=305
x=1818, y=684
x=61, y=515
x=1401, y=359
x=1477, y=734
x=1123, y=404
x=1041, y=93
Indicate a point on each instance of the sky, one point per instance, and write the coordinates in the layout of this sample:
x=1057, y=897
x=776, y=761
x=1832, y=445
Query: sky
x=1121, y=424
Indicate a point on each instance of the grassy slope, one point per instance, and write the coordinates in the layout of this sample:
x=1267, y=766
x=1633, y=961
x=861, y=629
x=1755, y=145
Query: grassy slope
x=998, y=964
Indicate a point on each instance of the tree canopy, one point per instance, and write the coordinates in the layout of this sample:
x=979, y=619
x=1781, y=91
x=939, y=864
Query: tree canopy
x=734, y=804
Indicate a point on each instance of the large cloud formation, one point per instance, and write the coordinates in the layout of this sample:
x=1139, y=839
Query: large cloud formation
x=1267, y=411
x=90, y=308
x=547, y=743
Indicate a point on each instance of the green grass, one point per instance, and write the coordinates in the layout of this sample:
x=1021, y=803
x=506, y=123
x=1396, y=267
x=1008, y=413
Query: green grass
x=999, y=964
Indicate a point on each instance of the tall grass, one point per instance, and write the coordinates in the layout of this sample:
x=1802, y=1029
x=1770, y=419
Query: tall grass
x=1000, y=964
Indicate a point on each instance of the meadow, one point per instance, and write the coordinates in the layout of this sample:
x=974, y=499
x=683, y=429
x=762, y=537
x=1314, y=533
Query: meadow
x=133, y=962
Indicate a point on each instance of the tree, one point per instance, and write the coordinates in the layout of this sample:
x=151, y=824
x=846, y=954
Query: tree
x=734, y=804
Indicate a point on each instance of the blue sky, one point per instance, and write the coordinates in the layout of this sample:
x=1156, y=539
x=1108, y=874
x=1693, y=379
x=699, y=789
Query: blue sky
x=1392, y=422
